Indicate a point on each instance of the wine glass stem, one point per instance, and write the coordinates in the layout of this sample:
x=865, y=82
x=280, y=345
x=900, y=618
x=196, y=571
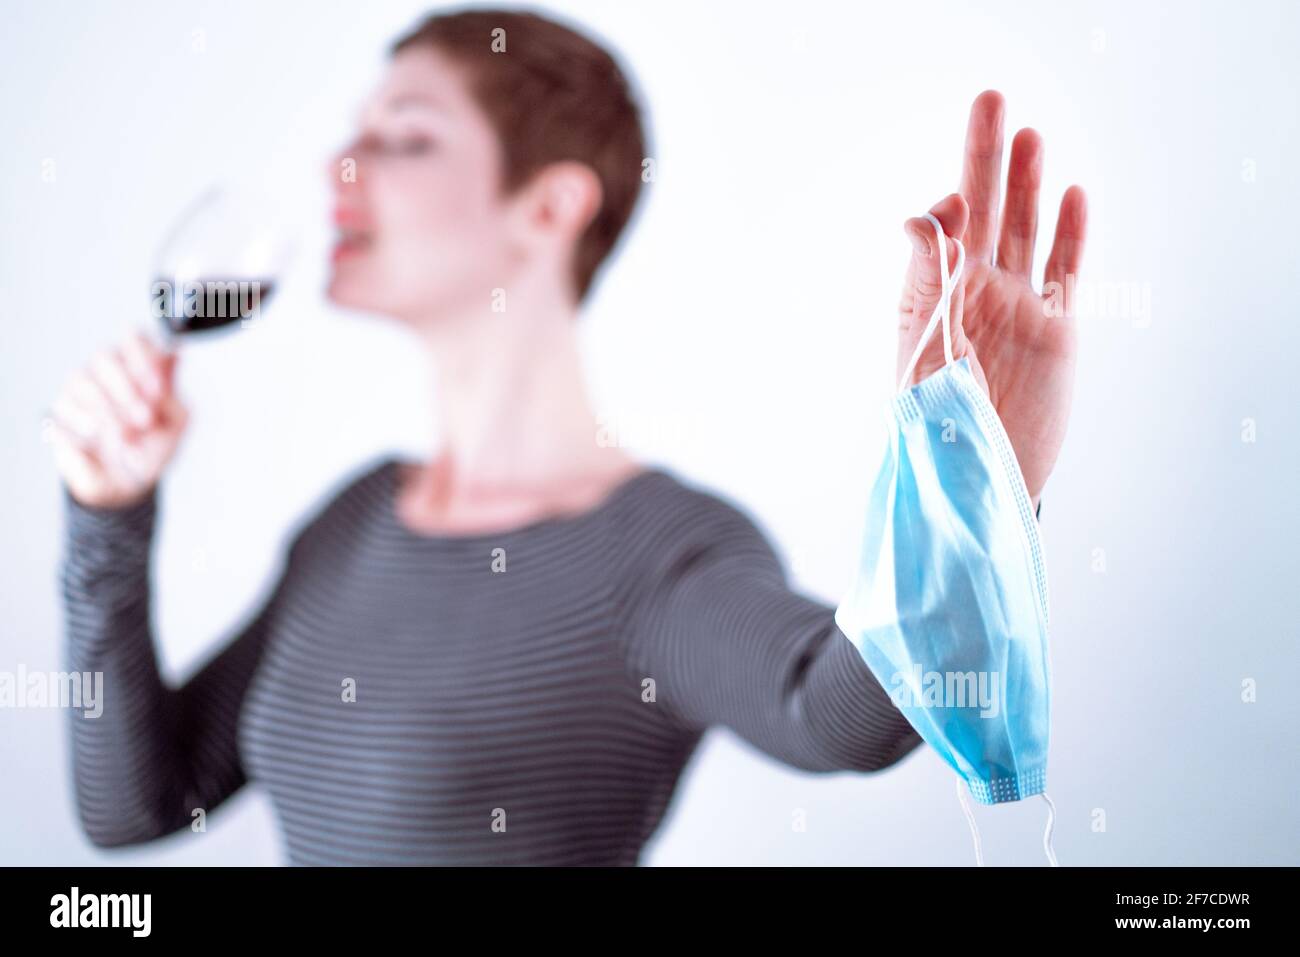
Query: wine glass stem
x=163, y=336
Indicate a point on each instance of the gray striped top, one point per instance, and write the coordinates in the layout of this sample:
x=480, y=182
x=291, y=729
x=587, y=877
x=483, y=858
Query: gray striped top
x=527, y=697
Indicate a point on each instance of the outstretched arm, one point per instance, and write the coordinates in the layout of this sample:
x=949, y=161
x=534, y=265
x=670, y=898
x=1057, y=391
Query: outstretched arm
x=727, y=641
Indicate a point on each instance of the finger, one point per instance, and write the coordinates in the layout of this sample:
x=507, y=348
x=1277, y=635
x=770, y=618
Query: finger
x=146, y=366
x=982, y=172
x=952, y=213
x=108, y=424
x=77, y=420
x=925, y=280
x=69, y=417
x=956, y=309
x=1067, y=248
x=76, y=461
x=172, y=415
x=168, y=360
x=110, y=438
x=165, y=355
x=1020, y=214
x=110, y=373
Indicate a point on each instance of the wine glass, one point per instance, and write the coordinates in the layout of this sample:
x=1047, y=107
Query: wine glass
x=220, y=263
x=215, y=269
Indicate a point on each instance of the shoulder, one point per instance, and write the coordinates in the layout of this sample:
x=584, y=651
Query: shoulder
x=669, y=518
x=350, y=500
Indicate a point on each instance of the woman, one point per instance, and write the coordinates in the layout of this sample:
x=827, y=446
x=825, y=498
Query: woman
x=507, y=654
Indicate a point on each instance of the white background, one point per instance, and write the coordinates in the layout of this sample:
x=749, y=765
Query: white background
x=745, y=338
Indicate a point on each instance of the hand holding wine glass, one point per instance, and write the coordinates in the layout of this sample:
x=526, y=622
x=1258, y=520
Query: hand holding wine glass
x=117, y=424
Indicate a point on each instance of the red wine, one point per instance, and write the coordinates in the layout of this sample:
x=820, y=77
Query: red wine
x=202, y=305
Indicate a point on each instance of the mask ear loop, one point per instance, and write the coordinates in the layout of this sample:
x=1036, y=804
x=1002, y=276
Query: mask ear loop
x=970, y=819
x=941, y=313
x=1047, y=835
x=947, y=285
x=975, y=833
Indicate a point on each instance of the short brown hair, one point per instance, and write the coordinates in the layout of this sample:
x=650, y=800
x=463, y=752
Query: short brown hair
x=552, y=95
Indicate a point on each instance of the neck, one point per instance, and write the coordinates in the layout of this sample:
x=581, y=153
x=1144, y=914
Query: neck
x=514, y=413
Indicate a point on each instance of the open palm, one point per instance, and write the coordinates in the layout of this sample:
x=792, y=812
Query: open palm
x=1021, y=342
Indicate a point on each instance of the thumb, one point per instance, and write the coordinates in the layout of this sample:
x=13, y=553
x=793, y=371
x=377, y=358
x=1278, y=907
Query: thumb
x=924, y=285
x=952, y=213
x=167, y=369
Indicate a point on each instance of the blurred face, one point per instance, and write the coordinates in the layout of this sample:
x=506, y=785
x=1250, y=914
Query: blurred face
x=422, y=231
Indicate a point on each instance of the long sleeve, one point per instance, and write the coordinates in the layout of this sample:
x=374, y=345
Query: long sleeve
x=156, y=753
x=728, y=642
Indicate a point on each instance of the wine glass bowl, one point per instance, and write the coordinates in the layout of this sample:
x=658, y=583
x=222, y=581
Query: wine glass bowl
x=220, y=263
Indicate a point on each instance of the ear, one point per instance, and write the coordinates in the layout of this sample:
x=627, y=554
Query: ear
x=563, y=200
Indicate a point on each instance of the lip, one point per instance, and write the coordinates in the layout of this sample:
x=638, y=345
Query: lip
x=352, y=220
x=350, y=217
x=343, y=249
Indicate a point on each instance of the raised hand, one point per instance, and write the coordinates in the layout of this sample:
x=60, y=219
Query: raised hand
x=1021, y=342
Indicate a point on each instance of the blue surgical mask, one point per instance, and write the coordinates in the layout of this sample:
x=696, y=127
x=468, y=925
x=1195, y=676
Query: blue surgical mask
x=949, y=608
